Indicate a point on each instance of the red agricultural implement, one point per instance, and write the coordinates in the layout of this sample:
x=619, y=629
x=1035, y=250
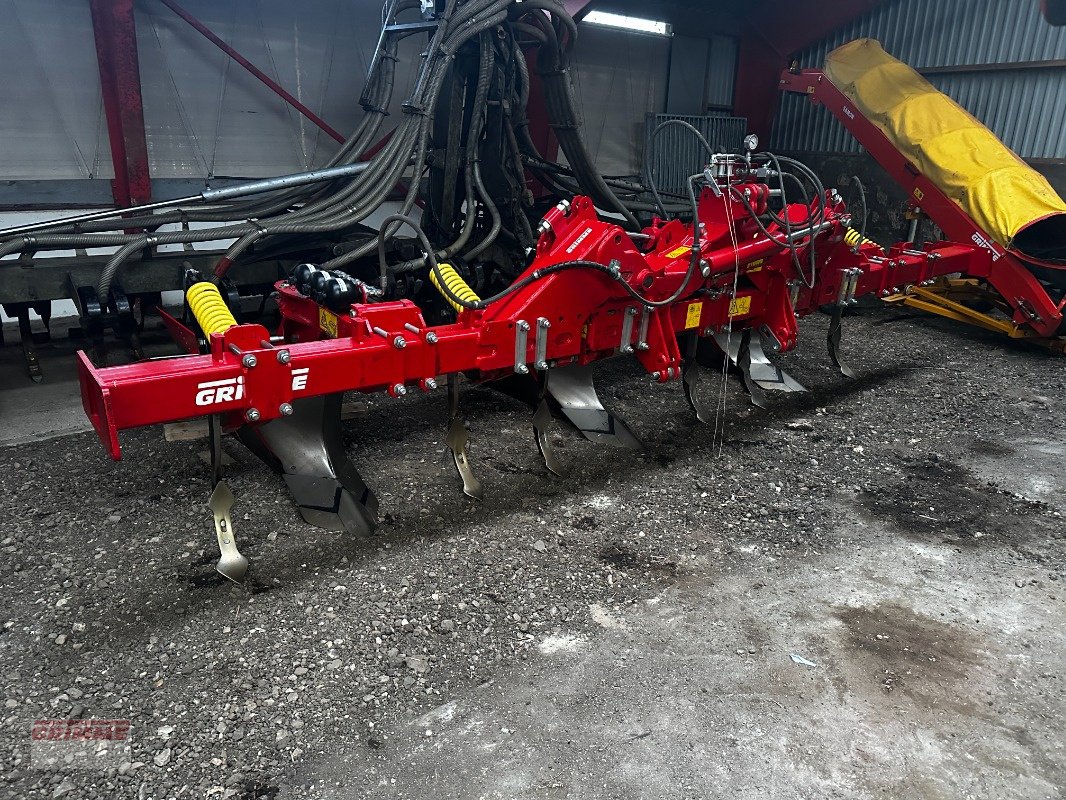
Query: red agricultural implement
x=670, y=295
x=504, y=289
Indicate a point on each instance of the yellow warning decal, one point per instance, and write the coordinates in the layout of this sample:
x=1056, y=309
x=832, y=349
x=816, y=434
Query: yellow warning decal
x=755, y=266
x=677, y=252
x=918, y=194
x=740, y=306
x=327, y=321
x=692, y=316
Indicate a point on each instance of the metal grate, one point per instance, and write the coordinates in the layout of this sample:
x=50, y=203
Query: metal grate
x=677, y=154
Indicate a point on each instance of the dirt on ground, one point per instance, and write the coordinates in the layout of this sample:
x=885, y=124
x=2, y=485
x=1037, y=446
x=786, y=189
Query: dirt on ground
x=856, y=593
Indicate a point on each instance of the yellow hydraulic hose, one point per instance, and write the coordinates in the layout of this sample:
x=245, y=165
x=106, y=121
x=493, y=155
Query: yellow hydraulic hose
x=455, y=285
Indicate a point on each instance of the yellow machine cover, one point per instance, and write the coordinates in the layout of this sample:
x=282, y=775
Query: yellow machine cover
x=999, y=191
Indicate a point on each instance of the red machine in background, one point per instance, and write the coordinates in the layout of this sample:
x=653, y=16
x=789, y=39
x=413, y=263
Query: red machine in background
x=1016, y=294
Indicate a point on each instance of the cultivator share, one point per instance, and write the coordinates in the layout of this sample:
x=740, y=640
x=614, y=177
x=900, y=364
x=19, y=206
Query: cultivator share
x=500, y=288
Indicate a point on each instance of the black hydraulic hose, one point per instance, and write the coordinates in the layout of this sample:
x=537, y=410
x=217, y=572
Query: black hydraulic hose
x=485, y=66
x=494, y=213
x=649, y=178
x=865, y=211
x=327, y=220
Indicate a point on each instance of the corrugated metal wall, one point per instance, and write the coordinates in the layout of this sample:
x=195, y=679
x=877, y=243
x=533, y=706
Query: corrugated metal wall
x=205, y=116
x=1024, y=107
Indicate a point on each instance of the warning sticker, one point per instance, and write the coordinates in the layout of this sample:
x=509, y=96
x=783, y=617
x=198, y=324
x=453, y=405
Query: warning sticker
x=692, y=316
x=327, y=321
x=740, y=306
x=677, y=252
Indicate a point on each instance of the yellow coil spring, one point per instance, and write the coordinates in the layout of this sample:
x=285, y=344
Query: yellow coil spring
x=455, y=284
x=852, y=238
x=209, y=308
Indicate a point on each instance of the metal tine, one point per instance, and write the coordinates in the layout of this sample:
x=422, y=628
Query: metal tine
x=529, y=390
x=572, y=388
x=732, y=346
x=457, y=441
x=833, y=340
x=231, y=563
x=700, y=373
x=542, y=421
x=759, y=373
x=763, y=371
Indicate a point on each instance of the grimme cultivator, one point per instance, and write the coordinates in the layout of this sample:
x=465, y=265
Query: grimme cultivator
x=683, y=283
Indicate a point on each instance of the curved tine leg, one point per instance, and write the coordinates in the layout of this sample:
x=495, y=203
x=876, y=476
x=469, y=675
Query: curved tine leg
x=457, y=441
x=231, y=563
x=755, y=391
x=573, y=390
x=542, y=422
x=734, y=346
x=307, y=449
x=529, y=390
x=697, y=376
x=833, y=340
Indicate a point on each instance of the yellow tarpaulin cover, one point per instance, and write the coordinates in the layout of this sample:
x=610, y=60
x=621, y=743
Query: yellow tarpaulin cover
x=999, y=191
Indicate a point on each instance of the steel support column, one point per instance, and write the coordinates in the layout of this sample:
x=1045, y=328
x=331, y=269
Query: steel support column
x=120, y=82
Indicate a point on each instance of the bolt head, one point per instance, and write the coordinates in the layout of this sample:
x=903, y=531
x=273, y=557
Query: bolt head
x=656, y=376
x=252, y=415
x=521, y=369
x=399, y=390
x=249, y=360
x=431, y=337
x=430, y=383
x=284, y=357
x=399, y=343
x=285, y=409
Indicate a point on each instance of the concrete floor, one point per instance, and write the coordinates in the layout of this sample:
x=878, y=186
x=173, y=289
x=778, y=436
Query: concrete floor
x=936, y=674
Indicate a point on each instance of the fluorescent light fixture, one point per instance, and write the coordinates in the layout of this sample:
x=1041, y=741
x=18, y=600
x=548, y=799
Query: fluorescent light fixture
x=627, y=23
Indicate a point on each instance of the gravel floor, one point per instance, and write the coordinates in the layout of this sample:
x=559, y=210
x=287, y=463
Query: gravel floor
x=112, y=609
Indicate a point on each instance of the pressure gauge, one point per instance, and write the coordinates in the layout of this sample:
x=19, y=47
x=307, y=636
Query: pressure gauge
x=751, y=142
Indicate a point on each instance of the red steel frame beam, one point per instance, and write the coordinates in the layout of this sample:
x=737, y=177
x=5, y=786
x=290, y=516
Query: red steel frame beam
x=115, y=33
x=583, y=316
x=774, y=34
x=269, y=82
